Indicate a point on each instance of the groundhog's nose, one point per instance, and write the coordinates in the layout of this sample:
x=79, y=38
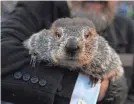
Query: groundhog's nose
x=71, y=46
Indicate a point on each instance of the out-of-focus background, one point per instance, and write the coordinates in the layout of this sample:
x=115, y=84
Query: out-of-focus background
x=6, y=8
x=123, y=8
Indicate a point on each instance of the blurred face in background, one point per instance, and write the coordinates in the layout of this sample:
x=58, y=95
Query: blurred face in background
x=100, y=12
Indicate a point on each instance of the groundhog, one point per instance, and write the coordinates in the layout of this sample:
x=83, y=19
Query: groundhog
x=74, y=43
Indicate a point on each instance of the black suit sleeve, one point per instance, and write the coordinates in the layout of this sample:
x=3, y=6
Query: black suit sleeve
x=26, y=19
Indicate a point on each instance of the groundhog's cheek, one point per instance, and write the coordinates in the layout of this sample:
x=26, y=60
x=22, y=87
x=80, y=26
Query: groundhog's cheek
x=60, y=53
x=84, y=59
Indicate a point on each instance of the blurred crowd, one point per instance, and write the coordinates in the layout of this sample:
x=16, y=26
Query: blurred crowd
x=126, y=8
x=123, y=8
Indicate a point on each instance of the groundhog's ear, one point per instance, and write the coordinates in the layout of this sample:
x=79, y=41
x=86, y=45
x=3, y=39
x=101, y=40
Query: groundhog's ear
x=92, y=32
x=53, y=26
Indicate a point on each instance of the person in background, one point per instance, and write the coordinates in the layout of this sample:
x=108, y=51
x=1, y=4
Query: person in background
x=126, y=8
x=6, y=8
x=44, y=84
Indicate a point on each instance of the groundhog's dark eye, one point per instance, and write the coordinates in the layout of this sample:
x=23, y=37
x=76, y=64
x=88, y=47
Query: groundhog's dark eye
x=58, y=34
x=86, y=35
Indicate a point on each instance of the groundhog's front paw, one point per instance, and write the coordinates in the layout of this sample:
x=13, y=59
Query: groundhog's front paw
x=103, y=89
x=110, y=75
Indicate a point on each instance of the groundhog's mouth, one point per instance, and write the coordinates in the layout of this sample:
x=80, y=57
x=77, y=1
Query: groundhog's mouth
x=72, y=58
